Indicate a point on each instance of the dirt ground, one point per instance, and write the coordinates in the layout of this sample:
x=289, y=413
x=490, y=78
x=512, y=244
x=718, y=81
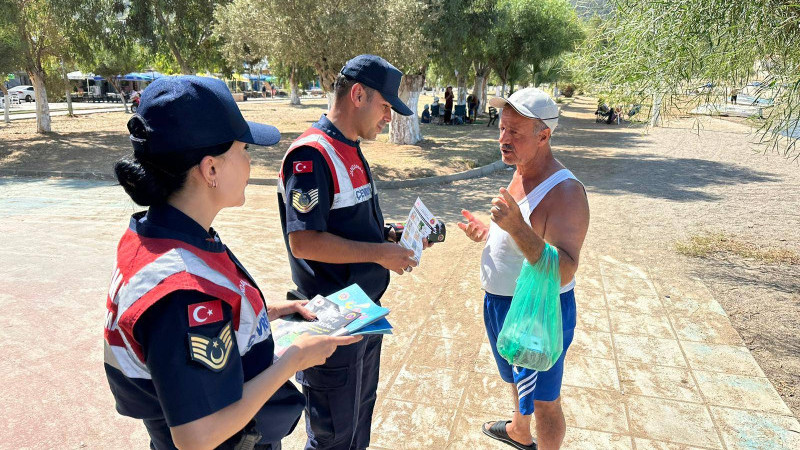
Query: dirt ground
x=670, y=186
x=94, y=142
x=658, y=189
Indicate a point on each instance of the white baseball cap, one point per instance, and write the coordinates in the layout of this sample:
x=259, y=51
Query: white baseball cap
x=532, y=103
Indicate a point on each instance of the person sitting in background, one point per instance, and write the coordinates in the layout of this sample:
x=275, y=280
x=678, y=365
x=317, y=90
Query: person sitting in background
x=426, y=115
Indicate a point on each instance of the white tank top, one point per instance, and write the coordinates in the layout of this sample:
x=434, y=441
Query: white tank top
x=501, y=261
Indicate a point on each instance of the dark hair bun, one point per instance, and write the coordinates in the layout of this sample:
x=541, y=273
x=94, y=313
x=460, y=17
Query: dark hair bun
x=145, y=184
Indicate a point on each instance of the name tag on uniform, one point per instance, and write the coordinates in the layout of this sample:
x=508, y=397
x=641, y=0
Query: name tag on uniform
x=363, y=193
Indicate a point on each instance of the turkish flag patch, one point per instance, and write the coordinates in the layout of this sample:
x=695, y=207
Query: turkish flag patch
x=205, y=313
x=303, y=166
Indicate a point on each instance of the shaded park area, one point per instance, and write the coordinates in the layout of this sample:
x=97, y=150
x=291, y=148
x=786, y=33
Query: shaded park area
x=92, y=143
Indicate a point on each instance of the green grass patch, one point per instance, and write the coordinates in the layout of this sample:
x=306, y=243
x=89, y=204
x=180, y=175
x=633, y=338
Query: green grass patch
x=719, y=244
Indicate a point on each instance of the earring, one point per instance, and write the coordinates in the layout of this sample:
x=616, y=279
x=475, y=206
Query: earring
x=213, y=184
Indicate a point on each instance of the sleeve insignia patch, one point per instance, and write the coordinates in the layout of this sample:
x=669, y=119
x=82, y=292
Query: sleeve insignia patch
x=303, y=167
x=212, y=352
x=304, y=202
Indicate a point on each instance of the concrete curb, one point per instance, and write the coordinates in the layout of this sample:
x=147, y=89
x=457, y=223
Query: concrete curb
x=100, y=176
x=388, y=184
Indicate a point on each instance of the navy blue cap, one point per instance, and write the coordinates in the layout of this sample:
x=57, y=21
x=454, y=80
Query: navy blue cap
x=375, y=72
x=183, y=115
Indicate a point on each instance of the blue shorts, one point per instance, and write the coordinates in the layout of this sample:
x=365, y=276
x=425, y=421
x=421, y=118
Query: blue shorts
x=531, y=384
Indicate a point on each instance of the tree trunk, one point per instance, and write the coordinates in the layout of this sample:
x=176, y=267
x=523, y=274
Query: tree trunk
x=503, y=89
x=405, y=129
x=479, y=89
x=655, y=112
x=6, y=106
x=485, y=94
x=462, y=90
x=66, y=91
x=326, y=80
x=295, y=96
x=173, y=47
x=42, y=107
x=119, y=91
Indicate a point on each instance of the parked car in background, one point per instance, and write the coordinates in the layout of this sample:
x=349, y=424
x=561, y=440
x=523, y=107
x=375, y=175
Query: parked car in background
x=25, y=92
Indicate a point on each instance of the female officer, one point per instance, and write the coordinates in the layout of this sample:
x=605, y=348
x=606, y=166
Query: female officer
x=188, y=347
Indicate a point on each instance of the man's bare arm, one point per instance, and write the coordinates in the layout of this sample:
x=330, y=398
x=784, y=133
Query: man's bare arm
x=565, y=229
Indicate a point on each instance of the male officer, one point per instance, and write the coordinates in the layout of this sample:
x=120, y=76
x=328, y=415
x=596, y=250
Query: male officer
x=334, y=230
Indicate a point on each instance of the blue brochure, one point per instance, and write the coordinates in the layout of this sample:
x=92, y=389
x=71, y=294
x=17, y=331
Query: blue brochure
x=371, y=320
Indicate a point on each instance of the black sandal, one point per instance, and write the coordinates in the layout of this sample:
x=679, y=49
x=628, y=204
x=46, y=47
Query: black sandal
x=497, y=430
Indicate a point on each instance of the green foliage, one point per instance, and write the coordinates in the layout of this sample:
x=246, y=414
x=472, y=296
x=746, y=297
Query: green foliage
x=10, y=42
x=459, y=32
x=10, y=54
x=323, y=34
x=530, y=32
x=39, y=34
x=180, y=29
x=406, y=35
x=101, y=37
x=236, y=29
x=305, y=75
x=666, y=48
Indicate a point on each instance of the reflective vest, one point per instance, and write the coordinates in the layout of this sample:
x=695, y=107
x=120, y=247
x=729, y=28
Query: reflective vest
x=351, y=184
x=149, y=269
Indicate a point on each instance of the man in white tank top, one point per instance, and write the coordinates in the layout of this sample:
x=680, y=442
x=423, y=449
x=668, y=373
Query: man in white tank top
x=543, y=203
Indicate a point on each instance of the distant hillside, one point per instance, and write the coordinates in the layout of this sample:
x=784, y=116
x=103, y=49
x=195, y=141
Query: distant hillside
x=589, y=8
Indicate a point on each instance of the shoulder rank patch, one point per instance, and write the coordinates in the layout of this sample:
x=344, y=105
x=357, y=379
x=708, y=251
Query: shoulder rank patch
x=212, y=352
x=304, y=202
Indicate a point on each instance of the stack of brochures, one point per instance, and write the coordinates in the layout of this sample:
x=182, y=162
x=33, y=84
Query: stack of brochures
x=347, y=312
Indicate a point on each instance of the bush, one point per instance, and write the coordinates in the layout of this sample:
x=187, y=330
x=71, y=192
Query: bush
x=568, y=91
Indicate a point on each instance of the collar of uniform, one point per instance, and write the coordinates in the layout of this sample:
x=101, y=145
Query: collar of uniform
x=167, y=222
x=325, y=125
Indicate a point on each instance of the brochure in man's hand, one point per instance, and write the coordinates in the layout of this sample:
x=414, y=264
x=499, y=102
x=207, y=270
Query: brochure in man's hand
x=421, y=224
x=347, y=312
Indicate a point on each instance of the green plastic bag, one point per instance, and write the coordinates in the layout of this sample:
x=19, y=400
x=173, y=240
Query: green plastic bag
x=532, y=336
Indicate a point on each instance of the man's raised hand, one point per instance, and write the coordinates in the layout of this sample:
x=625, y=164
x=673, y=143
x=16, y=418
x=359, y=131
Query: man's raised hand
x=474, y=228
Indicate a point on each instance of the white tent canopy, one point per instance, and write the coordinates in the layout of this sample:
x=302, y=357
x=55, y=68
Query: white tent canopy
x=78, y=75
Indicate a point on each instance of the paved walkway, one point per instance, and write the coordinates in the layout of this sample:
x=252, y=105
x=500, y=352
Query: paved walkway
x=28, y=110
x=655, y=362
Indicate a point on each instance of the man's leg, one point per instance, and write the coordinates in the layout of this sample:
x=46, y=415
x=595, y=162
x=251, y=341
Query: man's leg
x=333, y=397
x=495, y=309
x=550, y=424
x=369, y=388
x=519, y=429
